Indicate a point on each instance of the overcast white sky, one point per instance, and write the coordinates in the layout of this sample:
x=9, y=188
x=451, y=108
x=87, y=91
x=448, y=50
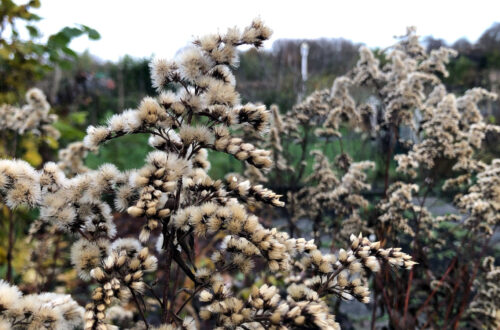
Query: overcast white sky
x=154, y=27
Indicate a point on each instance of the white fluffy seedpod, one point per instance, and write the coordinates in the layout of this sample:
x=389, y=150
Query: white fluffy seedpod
x=162, y=72
x=192, y=63
x=95, y=136
x=9, y=295
x=150, y=112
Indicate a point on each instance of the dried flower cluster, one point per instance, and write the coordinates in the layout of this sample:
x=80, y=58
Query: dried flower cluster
x=315, y=276
x=33, y=117
x=327, y=195
x=37, y=311
x=483, y=311
x=383, y=102
x=71, y=158
x=181, y=209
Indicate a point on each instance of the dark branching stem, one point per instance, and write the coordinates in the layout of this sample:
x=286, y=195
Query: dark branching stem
x=153, y=293
x=138, y=305
x=173, y=296
x=183, y=266
x=198, y=289
x=84, y=235
x=169, y=247
x=445, y=275
x=416, y=247
x=471, y=281
x=166, y=287
x=330, y=277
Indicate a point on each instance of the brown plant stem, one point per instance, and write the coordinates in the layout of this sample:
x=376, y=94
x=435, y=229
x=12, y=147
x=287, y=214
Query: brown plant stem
x=198, y=289
x=471, y=281
x=382, y=232
x=153, y=293
x=166, y=287
x=385, y=297
x=416, y=247
x=138, y=305
x=407, y=298
x=183, y=266
x=452, y=301
x=445, y=275
x=173, y=297
x=169, y=247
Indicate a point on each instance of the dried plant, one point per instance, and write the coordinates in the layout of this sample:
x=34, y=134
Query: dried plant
x=483, y=311
x=33, y=122
x=186, y=214
x=379, y=101
x=33, y=118
x=37, y=311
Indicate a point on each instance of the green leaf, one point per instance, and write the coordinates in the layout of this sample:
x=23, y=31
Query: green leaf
x=68, y=131
x=70, y=52
x=79, y=117
x=71, y=32
x=33, y=17
x=34, y=3
x=92, y=34
x=58, y=40
x=33, y=31
x=65, y=64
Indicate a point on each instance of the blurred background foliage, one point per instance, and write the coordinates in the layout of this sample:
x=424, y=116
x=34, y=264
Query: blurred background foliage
x=26, y=57
x=91, y=90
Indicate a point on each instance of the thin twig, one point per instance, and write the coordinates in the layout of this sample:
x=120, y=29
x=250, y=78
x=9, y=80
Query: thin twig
x=154, y=294
x=198, y=289
x=450, y=267
x=139, y=308
x=471, y=280
x=166, y=287
x=407, y=298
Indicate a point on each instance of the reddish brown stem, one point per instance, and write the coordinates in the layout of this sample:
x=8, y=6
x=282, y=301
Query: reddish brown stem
x=407, y=298
x=445, y=275
x=452, y=301
x=471, y=281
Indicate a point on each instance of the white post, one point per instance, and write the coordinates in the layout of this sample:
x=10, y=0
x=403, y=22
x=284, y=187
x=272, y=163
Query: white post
x=304, y=51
